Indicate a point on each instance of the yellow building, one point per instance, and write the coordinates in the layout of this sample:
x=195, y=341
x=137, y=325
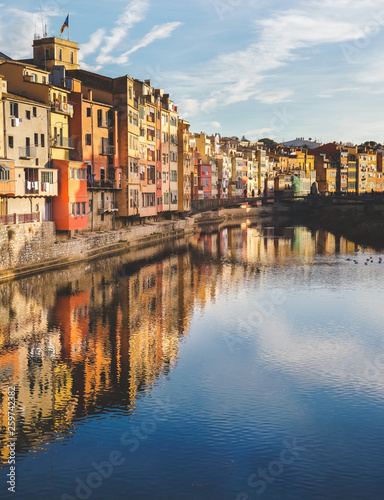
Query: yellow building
x=50, y=52
x=185, y=167
x=128, y=116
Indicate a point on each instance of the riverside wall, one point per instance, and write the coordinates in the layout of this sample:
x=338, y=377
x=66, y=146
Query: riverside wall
x=30, y=248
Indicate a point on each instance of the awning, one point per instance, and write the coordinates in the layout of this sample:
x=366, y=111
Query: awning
x=5, y=166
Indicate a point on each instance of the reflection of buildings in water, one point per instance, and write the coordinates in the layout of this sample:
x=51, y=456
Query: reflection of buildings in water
x=103, y=338
x=21, y=317
x=104, y=343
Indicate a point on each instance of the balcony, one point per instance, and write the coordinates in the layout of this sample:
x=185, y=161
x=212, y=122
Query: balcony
x=20, y=218
x=62, y=107
x=27, y=152
x=62, y=142
x=107, y=150
x=104, y=184
x=107, y=207
x=7, y=187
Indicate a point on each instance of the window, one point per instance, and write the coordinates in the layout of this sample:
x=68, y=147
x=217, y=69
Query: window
x=150, y=134
x=173, y=176
x=10, y=141
x=72, y=173
x=88, y=140
x=14, y=109
x=99, y=117
x=119, y=180
x=78, y=174
x=46, y=53
x=60, y=55
x=83, y=208
x=151, y=172
x=71, y=57
x=4, y=172
x=36, y=139
x=78, y=208
x=34, y=111
x=148, y=199
x=102, y=174
x=88, y=112
x=47, y=177
x=27, y=114
x=150, y=114
x=150, y=152
x=73, y=209
x=44, y=80
x=134, y=198
x=42, y=140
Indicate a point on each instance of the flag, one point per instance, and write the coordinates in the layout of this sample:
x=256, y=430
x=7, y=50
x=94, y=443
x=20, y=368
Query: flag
x=65, y=25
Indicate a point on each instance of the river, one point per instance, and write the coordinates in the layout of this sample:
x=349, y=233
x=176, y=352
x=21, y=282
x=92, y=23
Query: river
x=242, y=363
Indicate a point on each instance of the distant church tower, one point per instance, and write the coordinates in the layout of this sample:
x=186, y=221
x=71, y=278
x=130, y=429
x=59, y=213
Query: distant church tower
x=49, y=52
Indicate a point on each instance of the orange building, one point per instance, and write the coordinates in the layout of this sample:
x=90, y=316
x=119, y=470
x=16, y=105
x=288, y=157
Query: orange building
x=94, y=129
x=71, y=205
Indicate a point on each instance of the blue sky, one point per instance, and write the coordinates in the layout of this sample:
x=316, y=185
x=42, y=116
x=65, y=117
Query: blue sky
x=261, y=68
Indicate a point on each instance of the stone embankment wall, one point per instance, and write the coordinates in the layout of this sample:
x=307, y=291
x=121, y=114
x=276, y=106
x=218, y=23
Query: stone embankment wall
x=28, y=248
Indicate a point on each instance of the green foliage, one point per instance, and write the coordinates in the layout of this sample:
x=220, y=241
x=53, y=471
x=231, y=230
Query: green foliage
x=270, y=143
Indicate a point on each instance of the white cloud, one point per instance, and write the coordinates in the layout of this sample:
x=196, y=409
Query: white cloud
x=18, y=27
x=189, y=107
x=258, y=133
x=110, y=44
x=156, y=33
x=215, y=124
x=94, y=43
x=278, y=41
x=132, y=14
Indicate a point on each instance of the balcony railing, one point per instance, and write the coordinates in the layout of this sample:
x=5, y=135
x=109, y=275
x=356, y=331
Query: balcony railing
x=8, y=219
x=107, y=150
x=62, y=142
x=20, y=218
x=107, y=206
x=27, y=152
x=104, y=184
x=24, y=218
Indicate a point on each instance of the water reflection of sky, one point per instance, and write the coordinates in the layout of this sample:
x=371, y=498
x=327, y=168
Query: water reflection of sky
x=241, y=339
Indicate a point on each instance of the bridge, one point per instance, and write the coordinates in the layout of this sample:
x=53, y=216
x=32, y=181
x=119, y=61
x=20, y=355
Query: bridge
x=367, y=201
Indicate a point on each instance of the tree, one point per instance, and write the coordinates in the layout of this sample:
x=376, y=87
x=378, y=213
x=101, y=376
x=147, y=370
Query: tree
x=270, y=143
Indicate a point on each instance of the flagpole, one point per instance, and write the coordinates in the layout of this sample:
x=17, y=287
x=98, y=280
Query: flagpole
x=68, y=26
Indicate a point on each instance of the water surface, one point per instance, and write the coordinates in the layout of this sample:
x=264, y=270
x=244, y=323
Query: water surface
x=245, y=363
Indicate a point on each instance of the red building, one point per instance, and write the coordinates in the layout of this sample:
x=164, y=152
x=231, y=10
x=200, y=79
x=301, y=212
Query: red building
x=205, y=179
